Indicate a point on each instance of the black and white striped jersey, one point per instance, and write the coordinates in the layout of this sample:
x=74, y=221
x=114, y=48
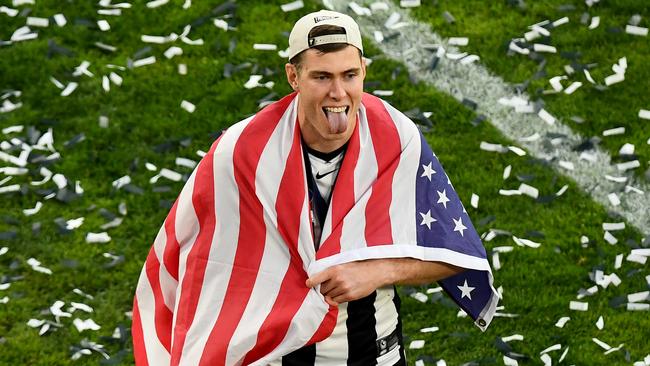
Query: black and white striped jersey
x=368, y=332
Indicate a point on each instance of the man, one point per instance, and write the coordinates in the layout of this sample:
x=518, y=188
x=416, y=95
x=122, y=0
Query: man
x=286, y=242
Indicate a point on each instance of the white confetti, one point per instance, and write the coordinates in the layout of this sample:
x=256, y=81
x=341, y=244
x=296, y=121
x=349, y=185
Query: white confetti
x=69, y=89
x=506, y=172
x=295, y=5
x=37, y=22
x=636, y=31
x=103, y=25
x=601, y=343
x=618, y=262
x=595, y=22
x=188, y=106
x=517, y=150
x=638, y=296
x=79, y=306
x=525, y=242
x=579, y=306
x=474, y=200
x=643, y=113
x=383, y=93
x=538, y=47
x=546, y=117
x=628, y=165
x=546, y=359
x=417, y=344
x=9, y=11
x=409, y=3
x=573, y=87
x=173, y=51
x=115, y=78
x=144, y=61
x=419, y=296
x=637, y=307
x=265, y=47
x=156, y=3
x=528, y=190
x=509, y=192
x=614, y=131
x=610, y=238
x=102, y=237
x=121, y=182
x=507, y=361
x=458, y=41
x=555, y=347
x=613, y=199
x=613, y=226
x=600, y=323
x=514, y=337
x=182, y=69
x=614, y=79
x=429, y=330
x=184, y=162
x=87, y=324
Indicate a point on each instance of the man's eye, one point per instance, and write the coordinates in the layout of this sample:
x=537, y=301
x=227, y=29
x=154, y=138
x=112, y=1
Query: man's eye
x=322, y=77
x=351, y=75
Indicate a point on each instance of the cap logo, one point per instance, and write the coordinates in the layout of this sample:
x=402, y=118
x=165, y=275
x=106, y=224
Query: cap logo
x=324, y=17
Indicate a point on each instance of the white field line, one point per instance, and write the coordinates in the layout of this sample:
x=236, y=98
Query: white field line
x=475, y=82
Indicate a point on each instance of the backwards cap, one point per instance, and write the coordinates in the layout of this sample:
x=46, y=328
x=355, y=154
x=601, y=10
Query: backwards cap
x=299, y=39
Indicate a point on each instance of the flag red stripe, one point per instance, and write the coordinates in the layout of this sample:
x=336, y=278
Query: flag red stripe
x=292, y=292
x=162, y=314
x=203, y=203
x=139, y=349
x=342, y=196
x=252, y=231
x=172, y=248
x=386, y=142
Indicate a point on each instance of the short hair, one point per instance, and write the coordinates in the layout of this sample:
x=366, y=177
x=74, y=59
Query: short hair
x=322, y=30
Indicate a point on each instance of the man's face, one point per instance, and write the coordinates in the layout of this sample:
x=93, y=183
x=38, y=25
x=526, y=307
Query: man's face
x=330, y=87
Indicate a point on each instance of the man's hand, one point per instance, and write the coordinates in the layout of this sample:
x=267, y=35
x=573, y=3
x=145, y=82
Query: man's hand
x=355, y=280
x=349, y=281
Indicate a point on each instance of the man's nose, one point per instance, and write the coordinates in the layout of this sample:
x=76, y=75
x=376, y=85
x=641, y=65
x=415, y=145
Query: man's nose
x=337, y=91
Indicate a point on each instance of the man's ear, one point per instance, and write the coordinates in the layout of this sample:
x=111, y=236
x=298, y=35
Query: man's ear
x=292, y=75
x=363, y=68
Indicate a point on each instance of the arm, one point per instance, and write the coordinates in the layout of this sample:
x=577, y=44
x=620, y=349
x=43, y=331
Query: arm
x=352, y=281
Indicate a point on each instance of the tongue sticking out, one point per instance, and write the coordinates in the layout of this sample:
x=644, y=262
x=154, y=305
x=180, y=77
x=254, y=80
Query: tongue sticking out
x=338, y=121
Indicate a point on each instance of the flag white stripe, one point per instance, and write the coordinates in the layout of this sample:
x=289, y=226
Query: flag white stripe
x=402, y=250
x=403, y=225
x=156, y=352
x=167, y=283
x=222, y=253
x=276, y=256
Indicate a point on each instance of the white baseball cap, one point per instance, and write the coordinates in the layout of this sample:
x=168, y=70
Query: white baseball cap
x=299, y=38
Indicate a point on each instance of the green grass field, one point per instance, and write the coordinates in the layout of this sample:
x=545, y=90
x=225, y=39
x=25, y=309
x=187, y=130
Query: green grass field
x=147, y=125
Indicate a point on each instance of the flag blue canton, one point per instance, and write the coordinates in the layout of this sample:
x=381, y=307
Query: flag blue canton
x=442, y=222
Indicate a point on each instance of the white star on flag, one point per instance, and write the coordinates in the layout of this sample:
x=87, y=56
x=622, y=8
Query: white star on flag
x=428, y=171
x=442, y=197
x=458, y=225
x=466, y=290
x=427, y=219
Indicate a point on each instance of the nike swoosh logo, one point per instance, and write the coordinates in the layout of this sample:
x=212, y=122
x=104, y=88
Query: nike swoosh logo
x=319, y=175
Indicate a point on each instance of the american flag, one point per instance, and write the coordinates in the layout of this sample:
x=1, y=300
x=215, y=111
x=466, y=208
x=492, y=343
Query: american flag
x=224, y=282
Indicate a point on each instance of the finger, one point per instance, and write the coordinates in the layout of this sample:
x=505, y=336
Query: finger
x=318, y=278
x=334, y=292
x=330, y=301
